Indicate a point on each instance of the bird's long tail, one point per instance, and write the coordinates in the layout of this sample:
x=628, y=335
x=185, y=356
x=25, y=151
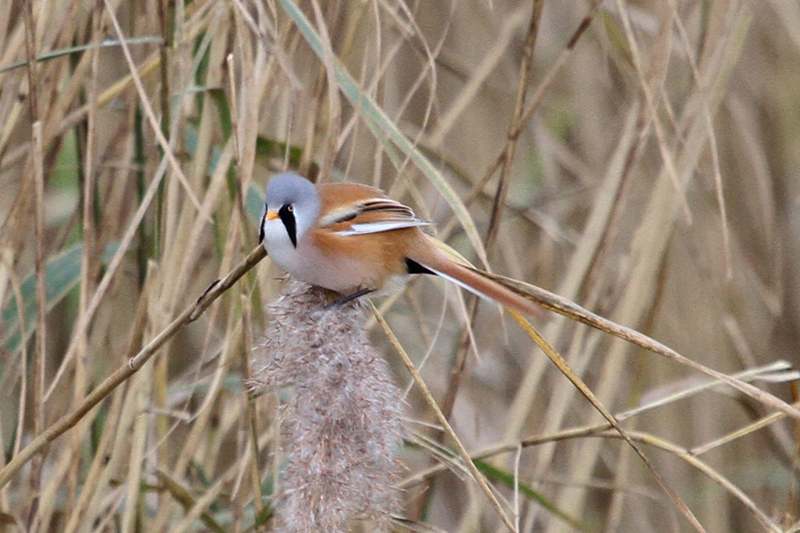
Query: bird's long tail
x=474, y=280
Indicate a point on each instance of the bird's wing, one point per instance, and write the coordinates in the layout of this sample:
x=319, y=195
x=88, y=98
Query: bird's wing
x=372, y=215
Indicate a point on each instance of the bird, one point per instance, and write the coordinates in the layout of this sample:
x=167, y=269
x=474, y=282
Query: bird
x=354, y=240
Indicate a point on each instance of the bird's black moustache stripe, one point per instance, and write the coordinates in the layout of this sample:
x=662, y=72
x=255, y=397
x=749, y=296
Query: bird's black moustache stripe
x=286, y=214
x=263, y=219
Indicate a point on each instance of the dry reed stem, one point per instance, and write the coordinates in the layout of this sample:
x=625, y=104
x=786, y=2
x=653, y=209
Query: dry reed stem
x=504, y=448
x=470, y=466
x=148, y=109
x=39, y=361
x=575, y=312
x=570, y=374
x=509, y=149
x=251, y=409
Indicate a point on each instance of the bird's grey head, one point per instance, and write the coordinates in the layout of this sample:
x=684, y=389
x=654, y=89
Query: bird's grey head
x=296, y=202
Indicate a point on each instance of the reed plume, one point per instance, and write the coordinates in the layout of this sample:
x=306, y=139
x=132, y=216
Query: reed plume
x=340, y=425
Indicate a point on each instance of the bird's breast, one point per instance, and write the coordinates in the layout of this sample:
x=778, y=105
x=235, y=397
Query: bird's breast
x=343, y=273
x=344, y=264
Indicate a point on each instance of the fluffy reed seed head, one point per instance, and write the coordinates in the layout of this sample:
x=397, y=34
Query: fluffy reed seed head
x=341, y=424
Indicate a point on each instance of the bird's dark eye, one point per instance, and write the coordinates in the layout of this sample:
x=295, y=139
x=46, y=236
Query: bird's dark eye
x=290, y=208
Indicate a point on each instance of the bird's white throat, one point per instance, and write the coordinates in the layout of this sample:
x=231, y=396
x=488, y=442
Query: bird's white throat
x=279, y=246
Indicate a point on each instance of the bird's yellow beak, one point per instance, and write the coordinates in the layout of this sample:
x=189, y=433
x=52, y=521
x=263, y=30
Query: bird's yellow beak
x=271, y=215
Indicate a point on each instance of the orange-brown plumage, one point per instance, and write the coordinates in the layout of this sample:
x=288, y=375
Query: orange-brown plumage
x=352, y=238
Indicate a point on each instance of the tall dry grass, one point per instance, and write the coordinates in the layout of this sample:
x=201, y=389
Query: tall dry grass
x=637, y=158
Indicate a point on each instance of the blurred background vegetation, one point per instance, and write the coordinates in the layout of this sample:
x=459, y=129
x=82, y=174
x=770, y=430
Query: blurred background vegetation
x=639, y=158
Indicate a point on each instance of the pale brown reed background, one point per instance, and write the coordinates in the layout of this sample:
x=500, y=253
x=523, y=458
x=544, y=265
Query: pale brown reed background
x=660, y=114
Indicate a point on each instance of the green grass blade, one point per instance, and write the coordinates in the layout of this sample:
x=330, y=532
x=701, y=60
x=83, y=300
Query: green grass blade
x=108, y=43
x=507, y=479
